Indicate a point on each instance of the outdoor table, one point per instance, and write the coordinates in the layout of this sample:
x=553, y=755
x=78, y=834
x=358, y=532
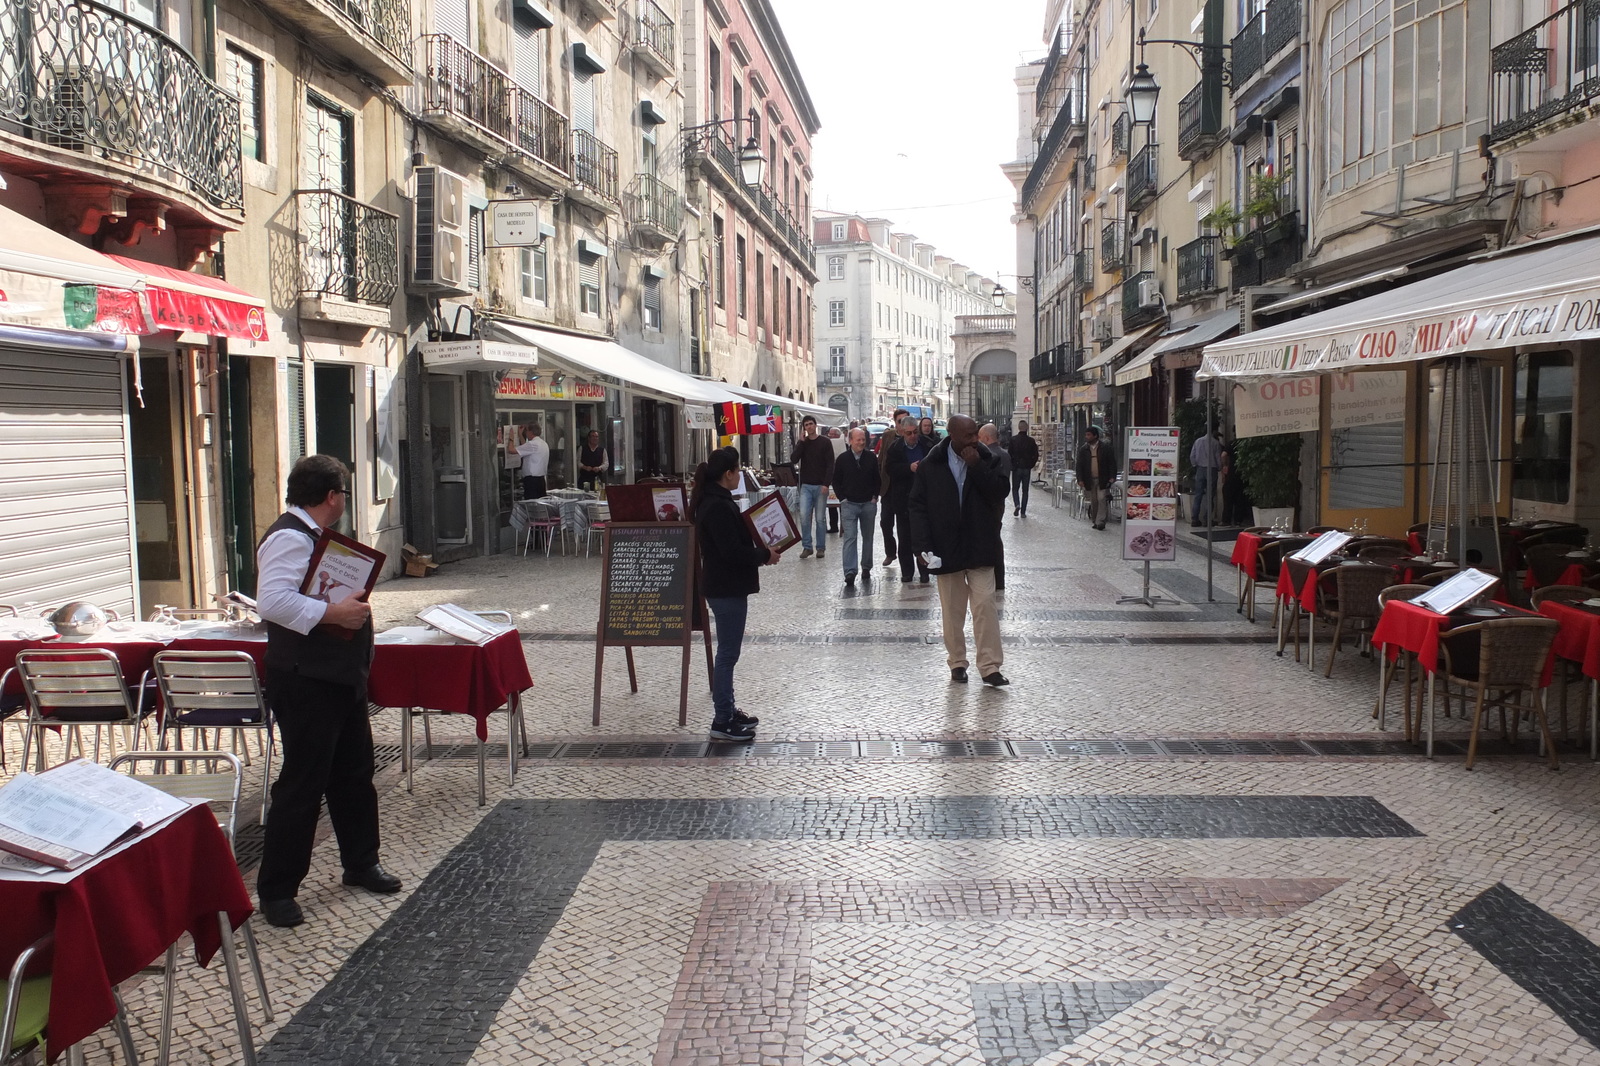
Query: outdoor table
x=120, y=912
x=1246, y=559
x=1419, y=566
x=1302, y=599
x=1578, y=641
x=1577, y=572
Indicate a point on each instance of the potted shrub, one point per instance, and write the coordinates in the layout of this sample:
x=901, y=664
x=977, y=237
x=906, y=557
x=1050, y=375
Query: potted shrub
x=1270, y=467
x=1265, y=208
x=1225, y=220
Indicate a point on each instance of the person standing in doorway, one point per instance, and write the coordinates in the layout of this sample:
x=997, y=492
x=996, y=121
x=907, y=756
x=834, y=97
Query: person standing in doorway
x=318, y=658
x=593, y=462
x=1094, y=472
x=989, y=437
x=905, y=455
x=856, y=479
x=1205, y=456
x=813, y=460
x=1024, y=453
x=535, y=462
x=957, y=500
x=731, y=564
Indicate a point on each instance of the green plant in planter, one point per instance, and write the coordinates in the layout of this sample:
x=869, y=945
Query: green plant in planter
x=1268, y=198
x=1225, y=220
x=1270, y=467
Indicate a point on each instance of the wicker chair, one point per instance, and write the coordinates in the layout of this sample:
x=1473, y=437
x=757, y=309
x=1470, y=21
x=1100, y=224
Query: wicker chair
x=1547, y=560
x=1317, y=531
x=1384, y=554
x=1561, y=594
x=1380, y=705
x=1355, y=604
x=1269, y=562
x=1508, y=664
x=1299, y=572
x=1571, y=535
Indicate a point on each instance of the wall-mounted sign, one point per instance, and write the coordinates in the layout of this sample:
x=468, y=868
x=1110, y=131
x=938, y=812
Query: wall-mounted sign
x=458, y=357
x=513, y=223
x=546, y=387
x=1284, y=405
x=1366, y=399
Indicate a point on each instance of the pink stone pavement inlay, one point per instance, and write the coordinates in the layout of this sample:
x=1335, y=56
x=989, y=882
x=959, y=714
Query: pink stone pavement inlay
x=1386, y=994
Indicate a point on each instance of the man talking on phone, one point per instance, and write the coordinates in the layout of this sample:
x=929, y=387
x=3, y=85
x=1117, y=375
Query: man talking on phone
x=318, y=657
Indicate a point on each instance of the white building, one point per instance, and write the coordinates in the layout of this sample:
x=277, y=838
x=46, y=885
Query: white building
x=886, y=312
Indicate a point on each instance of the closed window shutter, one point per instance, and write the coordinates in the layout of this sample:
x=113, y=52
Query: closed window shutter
x=527, y=57
x=474, y=249
x=450, y=16
x=294, y=385
x=1368, y=467
x=652, y=303
x=583, y=101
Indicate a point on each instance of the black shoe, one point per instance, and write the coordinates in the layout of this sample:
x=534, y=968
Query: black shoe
x=959, y=675
x=850, y=579
x=1016, y=512
x=283, y=913
x=1102, y=525
x=738, y=732
x=374, y=879
x=746, y=719
x=866, y=576
x=999, y=588
x=924, y=579
x=996, y=679
x=905, y=579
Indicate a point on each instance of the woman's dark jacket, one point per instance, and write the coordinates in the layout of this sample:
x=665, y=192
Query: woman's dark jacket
x=732, y=558
x=963, y=529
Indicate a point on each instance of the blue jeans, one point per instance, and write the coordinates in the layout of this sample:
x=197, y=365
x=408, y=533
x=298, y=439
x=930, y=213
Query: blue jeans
x=730, y=613
x=857, y=520
x=814, y=511
x=1205, y=492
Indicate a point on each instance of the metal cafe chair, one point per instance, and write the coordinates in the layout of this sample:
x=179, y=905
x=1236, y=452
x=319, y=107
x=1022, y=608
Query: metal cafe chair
x=25, y=1014
x=214, y=690
x=1499, y=663
x=70, y=689
x=221, y=788
x=538, y=517
x=597, y=526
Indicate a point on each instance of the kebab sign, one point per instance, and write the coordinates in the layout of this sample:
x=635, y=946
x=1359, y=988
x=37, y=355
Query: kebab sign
x=1150, y=494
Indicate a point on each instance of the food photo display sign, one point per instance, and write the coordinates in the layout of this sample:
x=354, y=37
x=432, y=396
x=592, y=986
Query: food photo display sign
x=1150, y=495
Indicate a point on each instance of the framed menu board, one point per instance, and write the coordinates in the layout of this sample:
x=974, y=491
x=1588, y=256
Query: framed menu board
x=1150, y=494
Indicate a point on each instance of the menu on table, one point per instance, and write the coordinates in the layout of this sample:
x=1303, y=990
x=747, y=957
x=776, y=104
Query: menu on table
x=68, y=815
x=1459, y=590
x=1322, y=547
x=462, y=623
x=1150, y=494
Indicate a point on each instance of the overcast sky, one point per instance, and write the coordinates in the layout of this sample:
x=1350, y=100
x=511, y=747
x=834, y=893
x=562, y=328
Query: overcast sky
x=918, y=111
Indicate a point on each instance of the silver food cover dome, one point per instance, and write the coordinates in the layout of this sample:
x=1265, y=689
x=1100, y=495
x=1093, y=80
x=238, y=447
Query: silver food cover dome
x=80, y=618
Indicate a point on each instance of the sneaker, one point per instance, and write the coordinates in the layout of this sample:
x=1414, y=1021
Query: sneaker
x=1016, y=512
x=807, y=553
x=924, y=579
x=737, y=732
x=745, y=719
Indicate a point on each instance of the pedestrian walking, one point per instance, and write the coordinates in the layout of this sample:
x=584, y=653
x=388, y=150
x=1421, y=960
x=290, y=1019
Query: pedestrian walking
x=731, y=561
x=813, y=459
x=318, y=657
x=989, y=437
x=1205, y=456
x=928, y=429
x=956, y=502
x=856, y=481
x=535, y=462
x=904, y=456
x=886, y=518
x=1023, y=452
x=1095, y=472
x=593, y=462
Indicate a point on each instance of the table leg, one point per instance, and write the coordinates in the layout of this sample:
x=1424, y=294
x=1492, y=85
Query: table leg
x=1433, y=680
x=1594, y=713
x=241, y=1017
x=633, y=679
x=1384, y=670
x=168, y=987
x=483, y=793
x=407, y=756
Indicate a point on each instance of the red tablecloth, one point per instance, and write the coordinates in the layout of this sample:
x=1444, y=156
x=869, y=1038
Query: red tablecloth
x=1246, y=551
x=1579, y=637
x=1414, y=539
x=134, y=655
x=458, y=678
x=118, y=915
x=1574, y=574
x=1307, y=593
x=1404, y=626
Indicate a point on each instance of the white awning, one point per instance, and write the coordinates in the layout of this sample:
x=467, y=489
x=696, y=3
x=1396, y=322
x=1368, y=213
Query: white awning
x=1547, y=293
x=1128, y=340
x=1190, y=335
x=826, y=416
x=1300, y=299
x=609, y=361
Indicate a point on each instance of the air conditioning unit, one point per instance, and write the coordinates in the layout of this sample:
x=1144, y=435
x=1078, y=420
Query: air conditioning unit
x=439, y=245
x=1147, y=235
x=1149, y=292
x=1101, y=329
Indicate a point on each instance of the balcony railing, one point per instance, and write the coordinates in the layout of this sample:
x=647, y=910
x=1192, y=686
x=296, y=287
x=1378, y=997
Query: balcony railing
x=1070, y=123
x=1113, y=246
x=1136, y=311
x=1246, y=51
x=1056, y=362
x=1197, y=267
x=656, y=33
x=966, y=324
x=387, y=23
x=78, y=76
x=1200, y=117
x=1283, y=27
x=1546, y=71
x=1121, y=136
x=1266, y=253
x=348, y=249
x=1142, y=177
x=460, y=85
x=652, y=202
x=594, y=164
x=1083, y=268
x=720, y=147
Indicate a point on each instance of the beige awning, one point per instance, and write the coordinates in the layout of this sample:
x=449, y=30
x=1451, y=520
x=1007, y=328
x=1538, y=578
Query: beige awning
x=1126, y=341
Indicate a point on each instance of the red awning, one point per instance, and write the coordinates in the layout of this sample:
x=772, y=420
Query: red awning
x=183, y=301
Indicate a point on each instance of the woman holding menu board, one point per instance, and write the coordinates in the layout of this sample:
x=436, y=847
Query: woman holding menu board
x=733, y=560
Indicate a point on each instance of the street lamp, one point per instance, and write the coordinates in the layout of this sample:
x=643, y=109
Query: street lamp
x=998, y=296
x=1142, y=94
x=1143, y=90
x=752, y=162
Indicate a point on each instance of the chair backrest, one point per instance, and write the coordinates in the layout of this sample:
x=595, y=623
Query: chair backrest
x=1399, y=592
x=1561, y=594
x=1319, y=530
x=32, y=961
x=1514, y=651
x=223, y=683
x=1547, y=560
x=1270, y=558
x=1375, y=541
x=1359, y=588
x=1298, y=572
x=220, y=786
x=1256, y=529
x=1387, y=554
x=1572, y=536
x=80, y=684
x=1437, y=576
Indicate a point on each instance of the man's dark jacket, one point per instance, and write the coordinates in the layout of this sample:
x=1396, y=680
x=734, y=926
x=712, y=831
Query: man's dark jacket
x=898, y=465
x=813, y=460
x=1024, y=452
x=732, y=558
x=855, y=478
x=1107, y=472
x=962, y=529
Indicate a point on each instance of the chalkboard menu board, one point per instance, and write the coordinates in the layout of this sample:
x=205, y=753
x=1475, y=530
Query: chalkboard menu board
x=645, y=595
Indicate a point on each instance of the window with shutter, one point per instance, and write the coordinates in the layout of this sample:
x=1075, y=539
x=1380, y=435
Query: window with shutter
x=474, y=248
x=452, y=17
x=652, y=303
x=583, y=105
x=244, y=81
x=589, y=284
x=294, y=386
x=527, y=56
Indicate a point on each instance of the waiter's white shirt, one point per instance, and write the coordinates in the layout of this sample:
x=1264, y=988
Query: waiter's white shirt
x=535, y=457
x=282, y=562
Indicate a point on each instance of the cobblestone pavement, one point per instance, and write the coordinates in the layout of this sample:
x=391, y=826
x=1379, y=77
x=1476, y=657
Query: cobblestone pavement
x=1162, y=844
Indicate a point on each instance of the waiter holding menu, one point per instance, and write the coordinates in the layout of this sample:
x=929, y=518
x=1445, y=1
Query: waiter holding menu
x=317, y=687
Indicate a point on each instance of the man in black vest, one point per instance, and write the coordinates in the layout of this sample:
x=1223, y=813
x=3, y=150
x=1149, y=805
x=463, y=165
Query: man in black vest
x=317, y=686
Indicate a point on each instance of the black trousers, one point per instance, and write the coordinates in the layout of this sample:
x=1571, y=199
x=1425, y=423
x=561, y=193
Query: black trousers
x=886, y=525
x=327, y=751
x=1021, y=486
x=908, y=559
x=533, y=488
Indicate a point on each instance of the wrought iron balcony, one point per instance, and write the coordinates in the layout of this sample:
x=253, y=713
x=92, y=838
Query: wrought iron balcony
x=594, y=164
x=1200, y=117
x=724, y=153
x=465, y=93
x=654, y=204
x=1140, y=305
x=1113, y=246
x=1121, y=136
x=1142, y=186
x=1197, y=267
x=1283, y=27
x=84, y=78
x=1547, y=71
x=1246, y=51
x=655, y=37
x=1265, y=254
x=1057, y=362
x=1068, y=126
x=1083, y=268
x=348, y=249
x=372, y=35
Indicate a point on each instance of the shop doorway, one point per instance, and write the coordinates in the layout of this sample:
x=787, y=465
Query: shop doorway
x=334, y=388
x=655, y=439
x=160, y=521
x=994, y=387
x=239, y=484
x=446, y=439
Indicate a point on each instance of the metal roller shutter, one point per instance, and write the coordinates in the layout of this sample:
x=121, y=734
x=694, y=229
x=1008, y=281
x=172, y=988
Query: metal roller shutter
x=66, y=521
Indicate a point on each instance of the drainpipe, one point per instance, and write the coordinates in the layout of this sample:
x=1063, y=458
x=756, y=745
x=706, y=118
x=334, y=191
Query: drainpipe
x=208, y=52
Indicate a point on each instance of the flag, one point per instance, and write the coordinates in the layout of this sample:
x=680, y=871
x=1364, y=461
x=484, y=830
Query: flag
x=765, y=419
x=732, y=419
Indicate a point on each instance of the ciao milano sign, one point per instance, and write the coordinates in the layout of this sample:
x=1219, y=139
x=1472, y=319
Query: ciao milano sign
x=519, y=387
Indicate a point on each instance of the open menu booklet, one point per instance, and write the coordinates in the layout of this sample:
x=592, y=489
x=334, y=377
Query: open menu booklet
x=67, y=815
x=1322, y=547
x=1456, y=592
x=462, y=623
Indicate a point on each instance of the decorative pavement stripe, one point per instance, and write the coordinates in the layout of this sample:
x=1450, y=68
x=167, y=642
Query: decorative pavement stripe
x=1540, y=952
x=425, y=987
x=743, y=992
x=1010, y=640
x=1020, y=1022
x=1014, y=614
x=1387, y=994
